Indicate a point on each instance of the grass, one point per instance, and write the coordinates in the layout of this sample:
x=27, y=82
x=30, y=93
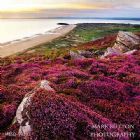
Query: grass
x=94, y=31
x=81, y=34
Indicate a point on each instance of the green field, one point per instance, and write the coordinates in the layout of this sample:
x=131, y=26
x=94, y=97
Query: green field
x=81, y=34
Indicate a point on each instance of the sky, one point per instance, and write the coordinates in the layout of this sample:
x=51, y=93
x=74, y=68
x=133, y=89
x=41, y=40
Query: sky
x=69, y=8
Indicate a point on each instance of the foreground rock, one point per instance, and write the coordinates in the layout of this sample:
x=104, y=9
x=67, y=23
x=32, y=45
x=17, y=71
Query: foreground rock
x=22, y=114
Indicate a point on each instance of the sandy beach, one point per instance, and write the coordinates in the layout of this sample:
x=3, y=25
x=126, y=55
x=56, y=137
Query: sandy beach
x=26, y=43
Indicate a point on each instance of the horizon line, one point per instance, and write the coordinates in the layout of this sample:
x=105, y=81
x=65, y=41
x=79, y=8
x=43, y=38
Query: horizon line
x=113, y=18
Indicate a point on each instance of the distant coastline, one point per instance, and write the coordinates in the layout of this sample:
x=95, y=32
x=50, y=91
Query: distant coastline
x=105, y=18
x=25, y=27
x=29, y=42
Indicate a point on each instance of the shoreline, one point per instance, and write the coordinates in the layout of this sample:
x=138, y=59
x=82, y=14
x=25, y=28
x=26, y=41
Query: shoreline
x=25, y=43
x=30, y=37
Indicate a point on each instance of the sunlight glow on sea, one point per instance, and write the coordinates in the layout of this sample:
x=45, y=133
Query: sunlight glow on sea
x=14, y=29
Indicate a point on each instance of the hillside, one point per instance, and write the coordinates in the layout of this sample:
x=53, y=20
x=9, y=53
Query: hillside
x=61, y=93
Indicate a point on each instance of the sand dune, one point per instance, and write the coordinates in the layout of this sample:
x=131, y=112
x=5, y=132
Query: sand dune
x=21, y=45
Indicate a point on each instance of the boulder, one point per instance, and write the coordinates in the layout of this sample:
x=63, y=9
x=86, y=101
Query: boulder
x=86, y=54
x=126, y=43
x=75, y=55
x=127, y=40
x=22, y=114
x=111, y=51
x=130, y=52
x=120, y=47
x=46, y=85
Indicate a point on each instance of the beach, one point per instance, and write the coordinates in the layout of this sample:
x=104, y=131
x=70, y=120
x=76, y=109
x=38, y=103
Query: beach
x=20, y=45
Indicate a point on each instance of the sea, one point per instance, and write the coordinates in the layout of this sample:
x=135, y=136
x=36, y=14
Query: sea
x=15, y=29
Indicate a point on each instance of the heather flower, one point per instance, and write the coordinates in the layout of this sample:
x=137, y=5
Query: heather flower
x=56, y=116
x=7, y=113
x=87, y=92
x=103, y=90
x=98, y=68
x=85, y=63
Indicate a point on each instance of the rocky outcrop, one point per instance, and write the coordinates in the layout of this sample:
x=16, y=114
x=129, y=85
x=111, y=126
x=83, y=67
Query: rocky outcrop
x=120, y=47
x=111, y=51
x=130, y=52
x=86, y=54
x=128, y=39
x=81, y=54
x=44, y=84
x=75, y=55
x=126, y=43
x=22, y=114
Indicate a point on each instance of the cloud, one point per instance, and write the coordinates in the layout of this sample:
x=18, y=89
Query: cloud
x=70, y=4
x=70, y=8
